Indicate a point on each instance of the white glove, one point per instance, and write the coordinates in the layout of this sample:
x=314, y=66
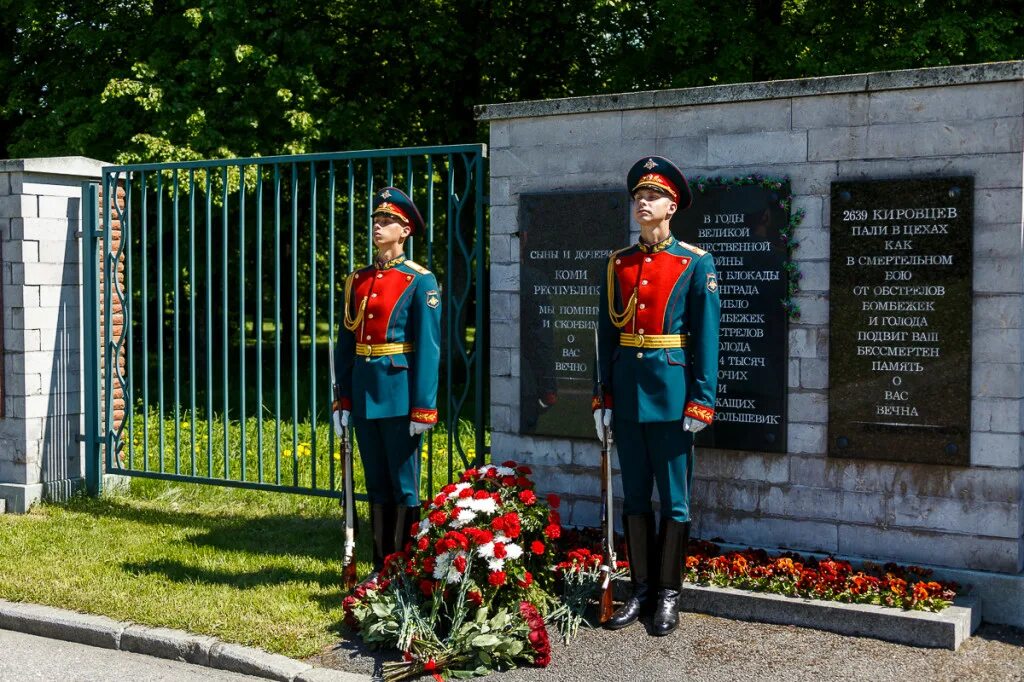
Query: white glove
x=340, y=419
x=693, y=425
x=600, y=425
x=417, y=428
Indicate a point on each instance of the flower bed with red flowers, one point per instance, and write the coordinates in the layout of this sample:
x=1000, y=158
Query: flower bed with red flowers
x=829, y=579
x=474, y=586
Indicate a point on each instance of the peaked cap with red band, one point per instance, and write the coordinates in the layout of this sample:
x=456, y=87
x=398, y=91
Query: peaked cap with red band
x=394, y=201
x=657, y=172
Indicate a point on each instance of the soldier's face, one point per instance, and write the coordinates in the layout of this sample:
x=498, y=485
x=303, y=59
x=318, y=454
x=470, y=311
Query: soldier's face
x=651, y=207
x=389, y=230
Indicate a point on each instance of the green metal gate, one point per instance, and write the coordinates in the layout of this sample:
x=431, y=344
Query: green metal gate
x=212, y=290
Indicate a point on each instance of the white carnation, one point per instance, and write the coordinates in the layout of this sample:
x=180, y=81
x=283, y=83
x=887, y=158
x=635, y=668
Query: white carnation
x=484, y=506
x=496, y=564
x=424, y=527
x=441, y=566
x=505, y=471
x=465, y=517
x=514, y=550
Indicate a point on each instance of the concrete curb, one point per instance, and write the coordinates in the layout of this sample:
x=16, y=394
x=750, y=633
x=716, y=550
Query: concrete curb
x=100, y=631
x=947, y=629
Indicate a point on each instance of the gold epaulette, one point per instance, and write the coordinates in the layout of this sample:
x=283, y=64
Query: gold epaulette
x=417, y=267
x=696, y=249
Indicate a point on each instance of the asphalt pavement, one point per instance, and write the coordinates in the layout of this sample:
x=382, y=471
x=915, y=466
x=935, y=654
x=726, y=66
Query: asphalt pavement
x=25, y=658
x=710, y=649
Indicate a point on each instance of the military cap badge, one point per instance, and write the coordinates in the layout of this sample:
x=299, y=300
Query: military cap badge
x=657, y=172
x=393, y=201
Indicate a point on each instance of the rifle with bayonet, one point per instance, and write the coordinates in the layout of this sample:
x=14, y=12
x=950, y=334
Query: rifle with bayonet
x=348, y=557
x=607, y=524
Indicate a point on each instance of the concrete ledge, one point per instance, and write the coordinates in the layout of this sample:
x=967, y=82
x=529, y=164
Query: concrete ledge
x=249, y=661
x=71, y=626
x=20, y=496
x=166, y=643
x=77, y=166
x=745, y=92
x=46, y=621
x=947, y=629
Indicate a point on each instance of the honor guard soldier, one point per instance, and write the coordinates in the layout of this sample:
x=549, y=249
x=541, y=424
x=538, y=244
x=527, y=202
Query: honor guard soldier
x=387, y=363
x=658, y=337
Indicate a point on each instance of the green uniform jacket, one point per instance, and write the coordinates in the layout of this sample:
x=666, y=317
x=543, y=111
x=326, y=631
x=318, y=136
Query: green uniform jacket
x=664, y=289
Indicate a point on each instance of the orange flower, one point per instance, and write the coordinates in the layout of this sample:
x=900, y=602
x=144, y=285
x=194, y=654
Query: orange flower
x=920, y=591
x=692, y=562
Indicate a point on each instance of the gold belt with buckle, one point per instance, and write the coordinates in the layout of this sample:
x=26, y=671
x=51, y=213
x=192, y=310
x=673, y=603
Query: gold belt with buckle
x=653, y=340
x=367, y=350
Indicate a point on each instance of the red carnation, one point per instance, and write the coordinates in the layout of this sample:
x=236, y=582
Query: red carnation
x=470, y=473
x=441, y=546
x=423, y=543
x=537, y=547
x=498, y=523
x=524, y=482
x=508, y=480
x=527, y=497
x=509, y=464
x=499, y=550
x=438, y=517
x=448, y=489
x=554, y=500
x=428, y=564
x=466, y=492
x=554, y=532
x=512, y=525
x=496, y=496
x=497, y=578
x=427, y=587
x=475, y=596
x=481, y=495
x=555, y=518
x=526, y=581
x=439, y=500
x=460, y=564
x=523, y=469
x=491, y=473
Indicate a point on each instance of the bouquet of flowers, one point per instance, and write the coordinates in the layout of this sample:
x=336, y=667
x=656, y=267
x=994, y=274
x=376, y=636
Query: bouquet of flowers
x=466, y=594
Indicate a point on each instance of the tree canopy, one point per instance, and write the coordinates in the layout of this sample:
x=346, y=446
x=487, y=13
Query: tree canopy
x=129, y=80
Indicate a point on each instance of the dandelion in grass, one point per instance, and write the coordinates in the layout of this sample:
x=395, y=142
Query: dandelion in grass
x=304, y=450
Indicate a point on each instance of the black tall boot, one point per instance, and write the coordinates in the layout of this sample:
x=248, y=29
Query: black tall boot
x=404, y=518
x=639, y=531
x=673, y=538
x=382, y=523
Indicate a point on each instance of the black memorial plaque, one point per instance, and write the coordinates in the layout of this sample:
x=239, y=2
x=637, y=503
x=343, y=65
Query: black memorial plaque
x=900, y=323
x=740, y=225
x=565, y=239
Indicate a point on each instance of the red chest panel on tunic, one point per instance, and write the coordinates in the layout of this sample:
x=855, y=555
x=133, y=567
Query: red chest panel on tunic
x=654, y=276
x=381, y=289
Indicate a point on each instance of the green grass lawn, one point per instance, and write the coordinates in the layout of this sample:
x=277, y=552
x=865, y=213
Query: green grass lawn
x=256, y=568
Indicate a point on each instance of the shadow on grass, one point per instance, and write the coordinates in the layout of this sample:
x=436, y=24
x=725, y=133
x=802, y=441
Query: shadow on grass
x=180, y=572
x=317, y=537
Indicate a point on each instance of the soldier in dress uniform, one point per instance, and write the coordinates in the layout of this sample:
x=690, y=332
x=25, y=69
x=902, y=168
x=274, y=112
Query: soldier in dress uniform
x=387, y=362
x=658, y=337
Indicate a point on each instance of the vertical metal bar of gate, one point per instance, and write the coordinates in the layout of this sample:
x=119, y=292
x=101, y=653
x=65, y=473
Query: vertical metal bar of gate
x=91, y=332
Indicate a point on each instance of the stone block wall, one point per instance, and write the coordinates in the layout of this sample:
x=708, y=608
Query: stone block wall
x=946, y=121
x=40, y=214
